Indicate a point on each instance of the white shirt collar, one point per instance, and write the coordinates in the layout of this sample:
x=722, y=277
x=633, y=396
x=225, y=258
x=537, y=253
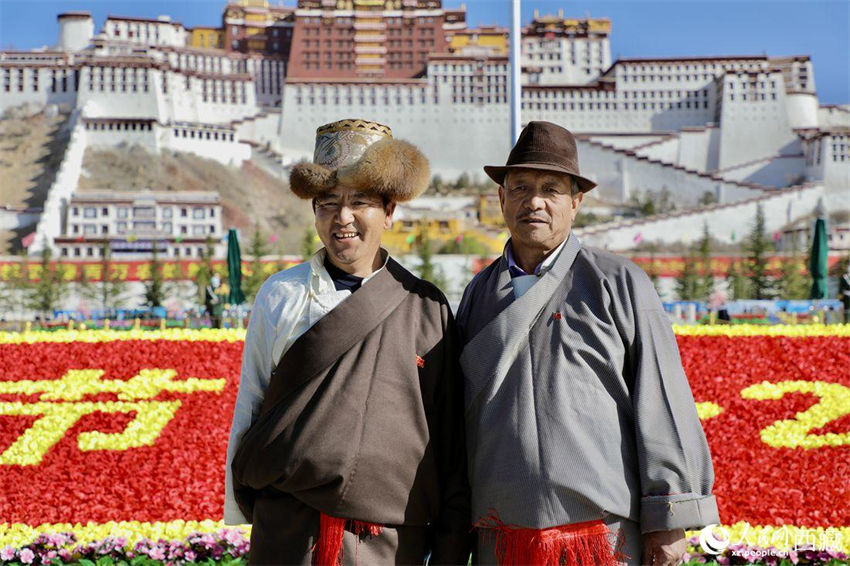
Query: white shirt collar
x=321, y=281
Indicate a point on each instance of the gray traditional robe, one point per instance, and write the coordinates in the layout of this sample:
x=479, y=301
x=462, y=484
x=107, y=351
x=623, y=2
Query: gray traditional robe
x=577, y=405
x=362, y=420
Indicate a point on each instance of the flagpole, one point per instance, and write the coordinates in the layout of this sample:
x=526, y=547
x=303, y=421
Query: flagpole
x=516, y=71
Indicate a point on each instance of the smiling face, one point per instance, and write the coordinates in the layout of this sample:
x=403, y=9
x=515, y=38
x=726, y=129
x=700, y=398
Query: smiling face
x=539, y=209
x=350, y=224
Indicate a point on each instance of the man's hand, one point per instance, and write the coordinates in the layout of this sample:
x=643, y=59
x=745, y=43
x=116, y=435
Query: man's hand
x=664, y=548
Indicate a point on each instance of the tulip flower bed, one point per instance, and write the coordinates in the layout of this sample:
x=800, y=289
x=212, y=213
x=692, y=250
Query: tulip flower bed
x=112, y=443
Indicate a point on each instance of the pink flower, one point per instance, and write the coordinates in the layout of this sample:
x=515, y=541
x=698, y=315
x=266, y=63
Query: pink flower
x=8, y=553
x=27, y=556
x=190, y=556
x=157, y=553
x=233, y=536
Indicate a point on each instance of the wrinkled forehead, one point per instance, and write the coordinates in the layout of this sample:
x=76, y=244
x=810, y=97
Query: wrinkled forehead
x=535, y=176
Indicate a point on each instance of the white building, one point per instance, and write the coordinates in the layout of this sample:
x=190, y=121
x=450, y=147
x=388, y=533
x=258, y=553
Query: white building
x=144, y=31
x=131, y=223
x=561, y=51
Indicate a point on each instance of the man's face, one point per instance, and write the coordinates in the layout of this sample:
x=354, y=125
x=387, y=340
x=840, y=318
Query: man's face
x=538, y=208
x=350, y=224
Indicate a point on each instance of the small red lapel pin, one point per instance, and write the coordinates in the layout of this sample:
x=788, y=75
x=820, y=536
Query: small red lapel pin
x=556, y=315
x=420, y=361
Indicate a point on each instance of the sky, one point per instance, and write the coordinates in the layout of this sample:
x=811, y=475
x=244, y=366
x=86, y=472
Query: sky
x=819, y=28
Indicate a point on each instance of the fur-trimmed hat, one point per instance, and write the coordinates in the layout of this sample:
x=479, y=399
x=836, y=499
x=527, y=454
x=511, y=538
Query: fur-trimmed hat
x=362, y=155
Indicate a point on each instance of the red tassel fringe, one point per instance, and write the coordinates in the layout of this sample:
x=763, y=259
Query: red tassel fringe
x=575, y=544
x=328, y=548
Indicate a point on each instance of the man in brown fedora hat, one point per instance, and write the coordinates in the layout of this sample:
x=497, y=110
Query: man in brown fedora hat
x=583, y=438
x=347, y=444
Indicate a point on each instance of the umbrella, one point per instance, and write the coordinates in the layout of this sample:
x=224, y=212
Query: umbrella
x=817, y=261
x=234, y=269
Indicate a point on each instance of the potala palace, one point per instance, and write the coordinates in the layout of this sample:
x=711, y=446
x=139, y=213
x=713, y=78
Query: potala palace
x=744, y=130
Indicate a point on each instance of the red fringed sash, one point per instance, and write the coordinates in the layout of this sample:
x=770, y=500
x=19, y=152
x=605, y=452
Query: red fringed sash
x=585, y=544
x=328, y=548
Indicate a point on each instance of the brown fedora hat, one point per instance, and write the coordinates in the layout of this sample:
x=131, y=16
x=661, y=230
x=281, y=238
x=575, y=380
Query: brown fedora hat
x=544, y=146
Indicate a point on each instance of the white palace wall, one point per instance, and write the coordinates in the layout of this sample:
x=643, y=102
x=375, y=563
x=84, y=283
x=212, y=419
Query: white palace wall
x=698, y=149
x=36, y=84
x=620, y=175
x=205, y=140
x=666, y=149
x=802, y=109
x=836, y=169
x=595, y=112
x=834, y=117
x=75, y=31
x=146, y=32
x=108, y=91
x=180, y=102
x=626, y=141
x=59, y=194
x=263, y=128
x=754, y=119
x=725, y=222
x=780, y=171
x=456, y=138
x=106, y=132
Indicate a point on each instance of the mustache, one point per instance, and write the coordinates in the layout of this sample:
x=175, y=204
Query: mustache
x=534, y=215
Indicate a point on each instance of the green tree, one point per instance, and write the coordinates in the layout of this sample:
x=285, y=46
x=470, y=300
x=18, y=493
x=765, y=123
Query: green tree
x=794, y=284
x=205, y=270
x=83, y=284
x=707, y=199
x=308, y=246
x=687, y=282
x=705, y=281
x=650, y=203
x=464, y=245
x=652, y=270
x=257, y=248
x=462, y=182
x=45, y=295
x=587, y=218
x=427, y=269
x=438, y=185
x=108, y=287
x=177, y=287
x=155, y=286
x=281, y=264
x=15, y=284
x=736, y=282
x=758, y=249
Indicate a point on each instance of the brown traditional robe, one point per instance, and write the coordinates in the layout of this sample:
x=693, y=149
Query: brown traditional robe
x=363, y=420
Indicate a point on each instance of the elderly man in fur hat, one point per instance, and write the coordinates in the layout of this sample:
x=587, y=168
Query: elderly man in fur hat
x=583, y=437
x=347, y=444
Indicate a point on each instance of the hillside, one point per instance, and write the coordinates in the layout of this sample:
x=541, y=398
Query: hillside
x=249, y=196
x=31, y=149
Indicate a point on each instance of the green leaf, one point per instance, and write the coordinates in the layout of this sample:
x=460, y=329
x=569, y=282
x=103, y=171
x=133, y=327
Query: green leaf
x=86, y=562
